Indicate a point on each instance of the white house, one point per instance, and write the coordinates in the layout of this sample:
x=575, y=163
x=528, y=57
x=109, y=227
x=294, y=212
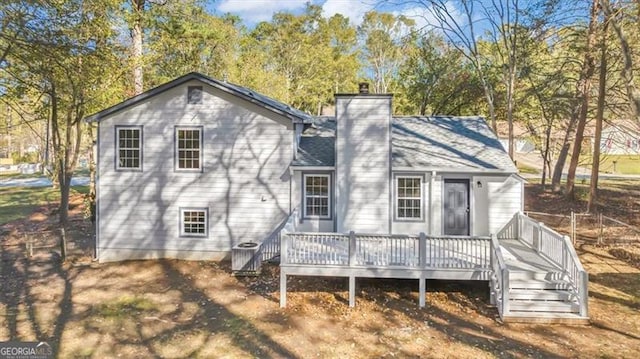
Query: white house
x=621, y=138
x=194, y=166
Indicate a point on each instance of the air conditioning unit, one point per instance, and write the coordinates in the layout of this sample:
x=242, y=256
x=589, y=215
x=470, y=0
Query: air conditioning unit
x=246, y=259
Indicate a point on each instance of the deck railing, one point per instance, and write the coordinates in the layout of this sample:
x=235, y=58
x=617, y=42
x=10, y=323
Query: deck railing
x=372, y=250
x=499, y=279
x=555, y=247
x=270, y=248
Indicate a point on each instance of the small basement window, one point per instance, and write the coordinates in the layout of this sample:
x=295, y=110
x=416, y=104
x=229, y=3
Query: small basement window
x=408, y=197
x=188, y=148
x=194, y=222
x=128, y=147
x=194, y=95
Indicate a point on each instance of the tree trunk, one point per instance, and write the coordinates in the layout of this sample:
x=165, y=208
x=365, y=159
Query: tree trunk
x=584, y=86
x=136, y=46
x=510, y=89
x=488, y=94
x=583, y=82
x=602, y=88
x=64, y=180
x=633, y=94
x=562, y=156
x=92, y=177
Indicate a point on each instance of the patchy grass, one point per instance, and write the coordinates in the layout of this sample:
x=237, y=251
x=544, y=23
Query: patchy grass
x=523, y=168
x=624, y=164
x=172, y=308
x=125, y=307
x=20, y=202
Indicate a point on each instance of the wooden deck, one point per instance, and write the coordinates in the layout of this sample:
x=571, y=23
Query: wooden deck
x=533, y=272
x=383, y=256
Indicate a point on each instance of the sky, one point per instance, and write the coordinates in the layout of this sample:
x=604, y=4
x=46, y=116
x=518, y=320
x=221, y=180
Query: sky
x=255, y=11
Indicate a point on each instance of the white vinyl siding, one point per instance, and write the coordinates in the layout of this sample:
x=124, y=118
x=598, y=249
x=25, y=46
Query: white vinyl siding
x=408, y=198
x=245, y=152
x=363, y=168
x=128, y=148
x=194, y=222
x=317, y=201
x=188, y=148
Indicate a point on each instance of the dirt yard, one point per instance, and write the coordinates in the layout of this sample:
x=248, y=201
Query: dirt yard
x=179, y=309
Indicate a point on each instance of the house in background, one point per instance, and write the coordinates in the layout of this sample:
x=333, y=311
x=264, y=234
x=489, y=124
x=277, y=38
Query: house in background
x=195, y=166
x=523, y=142
x=621, y=138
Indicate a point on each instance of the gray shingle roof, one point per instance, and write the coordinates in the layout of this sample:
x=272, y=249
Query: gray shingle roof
x=317, y=144
x=436, y=142
x=446, y=142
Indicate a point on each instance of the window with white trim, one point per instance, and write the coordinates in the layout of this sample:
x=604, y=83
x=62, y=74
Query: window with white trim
x=129, y=148
x=193, y=222
x=316, y=201
x=408, y=197
x=189, y=148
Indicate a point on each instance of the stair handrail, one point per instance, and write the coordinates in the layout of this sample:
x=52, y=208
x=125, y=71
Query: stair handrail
x=271, y=247
x=546, y=241
x=499, y=278
x=578, y=276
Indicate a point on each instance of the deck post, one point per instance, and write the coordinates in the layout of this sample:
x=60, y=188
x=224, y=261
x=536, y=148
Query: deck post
x=352, y=248
x=492, y=294
x=422, y=291
x=422, y=247
x=283, y=288
x=538, y=244
x=284, y=245
x=565, y=253
x=505, y=293
x=584, y=294
x=352, y=290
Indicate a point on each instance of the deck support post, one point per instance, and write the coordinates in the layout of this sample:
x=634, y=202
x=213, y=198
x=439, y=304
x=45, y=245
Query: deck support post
x=352, y=291
x=283, y=289
x=492, y=294
x=422, y=248
x=352, y=248
x=422, y=291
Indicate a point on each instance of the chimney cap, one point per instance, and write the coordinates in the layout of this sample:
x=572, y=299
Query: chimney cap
x=363, y=87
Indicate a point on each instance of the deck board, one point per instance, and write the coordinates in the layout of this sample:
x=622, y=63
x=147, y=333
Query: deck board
x=520, y=257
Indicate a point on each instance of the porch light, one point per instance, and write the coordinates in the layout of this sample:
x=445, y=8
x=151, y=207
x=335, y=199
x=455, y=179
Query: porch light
x=479, y=184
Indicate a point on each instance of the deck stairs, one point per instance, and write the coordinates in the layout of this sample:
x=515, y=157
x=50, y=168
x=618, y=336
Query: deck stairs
x=539, y=290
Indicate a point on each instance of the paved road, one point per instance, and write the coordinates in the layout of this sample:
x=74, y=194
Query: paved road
x=39, y=182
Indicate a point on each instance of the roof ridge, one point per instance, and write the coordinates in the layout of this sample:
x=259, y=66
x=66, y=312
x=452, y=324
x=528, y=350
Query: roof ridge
x=234, y=89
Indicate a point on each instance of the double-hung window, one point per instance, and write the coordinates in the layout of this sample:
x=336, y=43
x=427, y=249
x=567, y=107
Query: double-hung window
x=193, y=222
x=129, y=148
x=188, y=148
x=317, y=189
x=408, y=197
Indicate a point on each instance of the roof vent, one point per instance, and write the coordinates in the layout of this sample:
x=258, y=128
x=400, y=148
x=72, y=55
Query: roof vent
x=363, y=87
